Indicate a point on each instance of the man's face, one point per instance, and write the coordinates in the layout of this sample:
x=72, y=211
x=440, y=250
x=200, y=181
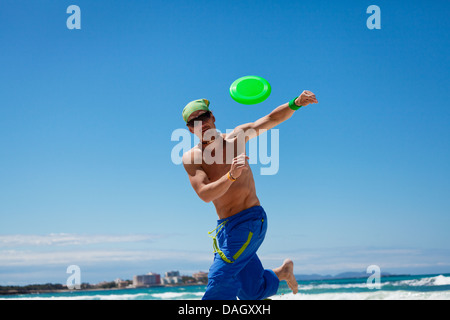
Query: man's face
x=204, y=123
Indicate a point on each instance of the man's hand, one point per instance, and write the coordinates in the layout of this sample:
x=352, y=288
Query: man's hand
x=239, y=164
x=306, y=98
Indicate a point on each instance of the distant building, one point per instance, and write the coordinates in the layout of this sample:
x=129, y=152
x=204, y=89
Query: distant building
x=150, y=279
x=172, y=277
x=121, y=283
x=172, y=274
x=201, y=276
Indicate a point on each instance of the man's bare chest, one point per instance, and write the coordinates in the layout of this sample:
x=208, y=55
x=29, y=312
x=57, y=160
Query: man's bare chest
x=217, y=158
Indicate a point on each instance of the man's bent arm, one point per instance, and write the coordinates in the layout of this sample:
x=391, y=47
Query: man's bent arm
x=206, y=190
x=214, y=190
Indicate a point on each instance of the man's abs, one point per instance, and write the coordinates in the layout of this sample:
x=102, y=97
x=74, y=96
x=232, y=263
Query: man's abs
x=240, y=196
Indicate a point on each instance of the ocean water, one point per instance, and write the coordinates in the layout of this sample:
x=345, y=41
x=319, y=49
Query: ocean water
x=420, y=287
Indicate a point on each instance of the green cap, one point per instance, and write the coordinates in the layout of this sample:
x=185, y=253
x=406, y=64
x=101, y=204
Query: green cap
x=191, y=107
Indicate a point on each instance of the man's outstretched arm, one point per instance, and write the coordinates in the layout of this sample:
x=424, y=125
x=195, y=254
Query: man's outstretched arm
x=277, y=116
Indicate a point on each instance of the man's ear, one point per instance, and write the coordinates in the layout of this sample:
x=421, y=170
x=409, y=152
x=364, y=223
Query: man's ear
x=191, y=130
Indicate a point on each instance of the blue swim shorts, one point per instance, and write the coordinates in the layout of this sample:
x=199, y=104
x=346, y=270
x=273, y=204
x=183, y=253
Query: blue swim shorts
x=237, y=271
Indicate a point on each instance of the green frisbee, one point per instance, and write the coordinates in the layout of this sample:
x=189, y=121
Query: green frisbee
x=250, y=90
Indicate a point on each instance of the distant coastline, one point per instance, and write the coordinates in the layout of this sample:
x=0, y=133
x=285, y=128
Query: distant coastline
x=112, y=285
x=56, y=287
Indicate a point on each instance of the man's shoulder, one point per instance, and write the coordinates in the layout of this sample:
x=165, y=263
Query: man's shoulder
x=192, y=156
x=194, y=150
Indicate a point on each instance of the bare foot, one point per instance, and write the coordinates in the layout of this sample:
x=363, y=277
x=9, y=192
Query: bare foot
x=286, y=272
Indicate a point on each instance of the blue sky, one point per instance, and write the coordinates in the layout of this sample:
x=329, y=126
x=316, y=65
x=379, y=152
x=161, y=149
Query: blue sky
x=86, y=118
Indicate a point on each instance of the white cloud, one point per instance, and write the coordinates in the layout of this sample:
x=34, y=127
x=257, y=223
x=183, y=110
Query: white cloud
x=66, y=239
x=9, y=258
x=66, y=249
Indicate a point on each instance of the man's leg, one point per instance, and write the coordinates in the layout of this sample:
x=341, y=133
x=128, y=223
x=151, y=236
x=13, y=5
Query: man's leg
x=238, y=249
x=238, y=242
x=286, y=272
x=257, y=283
x=222, y=283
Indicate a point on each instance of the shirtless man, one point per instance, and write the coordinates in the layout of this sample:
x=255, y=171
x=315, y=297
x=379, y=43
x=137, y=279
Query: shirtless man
x=229, y=184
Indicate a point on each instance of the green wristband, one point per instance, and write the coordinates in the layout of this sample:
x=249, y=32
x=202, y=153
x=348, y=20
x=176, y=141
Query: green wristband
x=292, y=104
